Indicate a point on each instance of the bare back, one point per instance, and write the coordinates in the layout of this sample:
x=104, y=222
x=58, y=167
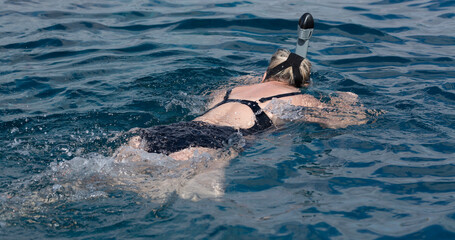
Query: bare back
x=239, y=115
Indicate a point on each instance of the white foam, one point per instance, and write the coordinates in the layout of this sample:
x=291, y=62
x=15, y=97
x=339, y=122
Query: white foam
x=194, y=103
x=15, y=143
x=153, y=176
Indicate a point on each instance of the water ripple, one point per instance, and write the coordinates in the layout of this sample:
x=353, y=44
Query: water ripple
x=384, y=17
x=434, y=231
x=41, y=43
x=75, y=26
x=358, y=32
x=269, y=24
x=63, y=54
x=416, y=172
x=75, y=76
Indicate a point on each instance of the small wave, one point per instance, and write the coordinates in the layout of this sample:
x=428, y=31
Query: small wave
x=438, y=92
x=138, y=48
x=75, y=26
x=439, y=40
x=441, y=147
x=347, y=182
x=269, y=24
x=63, y=54
x=247, y=47
x=349, y=85
x=447, y=15
x=42, y=43
x=395, y=171
x=421, y=187
x=385, y=16
x=356, y=9
x=433, y=231
x=387, y=2
x=58, y=14
x=421, y=159
x=141, y=27
x=356, y=31
x=373, y=61
x=405, y=104
x=439, y=5
x=430, y=74
x=345, y=50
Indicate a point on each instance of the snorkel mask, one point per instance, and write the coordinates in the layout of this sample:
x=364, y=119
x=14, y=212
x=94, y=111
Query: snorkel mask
x=305, y=30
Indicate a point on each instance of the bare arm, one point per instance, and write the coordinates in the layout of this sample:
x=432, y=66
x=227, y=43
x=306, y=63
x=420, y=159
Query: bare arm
x=341, y=111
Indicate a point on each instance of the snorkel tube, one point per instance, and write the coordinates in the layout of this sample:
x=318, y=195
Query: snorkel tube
x=294, y=60
x=305, y=30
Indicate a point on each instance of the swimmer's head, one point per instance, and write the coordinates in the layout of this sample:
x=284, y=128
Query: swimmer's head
x=281, y=69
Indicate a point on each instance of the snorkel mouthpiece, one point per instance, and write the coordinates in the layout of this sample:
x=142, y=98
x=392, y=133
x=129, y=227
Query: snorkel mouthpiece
x=305, y=30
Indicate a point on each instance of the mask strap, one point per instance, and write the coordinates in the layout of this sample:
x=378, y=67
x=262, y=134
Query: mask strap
x=293, y=61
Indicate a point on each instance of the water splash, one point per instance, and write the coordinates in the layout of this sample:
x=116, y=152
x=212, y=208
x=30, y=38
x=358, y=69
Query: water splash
x=155, y=177
x=338, y=110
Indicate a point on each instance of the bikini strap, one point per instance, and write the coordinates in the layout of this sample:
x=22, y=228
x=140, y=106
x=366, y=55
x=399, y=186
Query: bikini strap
x=226, y=96
x=225, y=100
x=265, y=99
x=262, y=120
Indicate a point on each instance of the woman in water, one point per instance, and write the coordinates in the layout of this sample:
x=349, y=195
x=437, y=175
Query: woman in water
x=239, y=111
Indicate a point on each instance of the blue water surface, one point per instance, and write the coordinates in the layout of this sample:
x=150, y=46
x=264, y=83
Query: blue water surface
x=75, y=75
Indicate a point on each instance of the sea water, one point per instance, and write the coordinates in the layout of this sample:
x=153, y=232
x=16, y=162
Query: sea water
x=75, y=76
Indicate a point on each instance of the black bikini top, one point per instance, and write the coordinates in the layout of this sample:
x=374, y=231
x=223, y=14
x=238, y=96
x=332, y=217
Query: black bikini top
x=262, y=120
